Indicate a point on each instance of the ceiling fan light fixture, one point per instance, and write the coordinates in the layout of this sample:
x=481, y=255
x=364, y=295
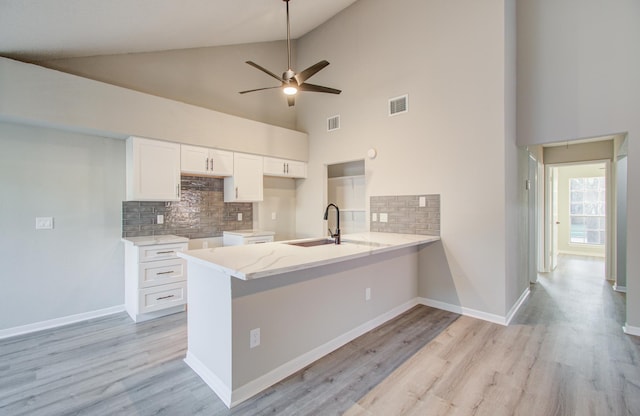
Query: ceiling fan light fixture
x=290, y=90
x=292, y=82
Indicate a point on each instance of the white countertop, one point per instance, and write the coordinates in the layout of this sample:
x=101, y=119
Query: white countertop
x=260, y=260
x=249, y=233
x=155, y=239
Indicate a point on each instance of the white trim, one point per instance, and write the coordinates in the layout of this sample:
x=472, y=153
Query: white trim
x=583, y=253
x=631, y=330
x=218, y=386
x=237, y=396
x=474, y=313
x=621, y=289
x=516, y=306
x=54, y=323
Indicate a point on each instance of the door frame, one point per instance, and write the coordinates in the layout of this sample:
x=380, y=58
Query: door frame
x=609, y=218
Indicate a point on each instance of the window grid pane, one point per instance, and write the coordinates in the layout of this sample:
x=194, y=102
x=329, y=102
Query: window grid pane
x=587, y=210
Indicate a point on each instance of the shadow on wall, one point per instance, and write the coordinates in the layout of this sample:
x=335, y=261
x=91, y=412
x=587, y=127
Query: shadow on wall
x=435, y=280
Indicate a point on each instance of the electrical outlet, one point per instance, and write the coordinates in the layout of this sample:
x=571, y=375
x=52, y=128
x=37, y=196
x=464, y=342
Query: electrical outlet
x=254, y=338
x=367, y=294
x=374, y=217
x=273, y=216
x=384, y=217
x=422, y=201
x=44, y=223
x=160, y=219
x=239, y=216
x=205, y=244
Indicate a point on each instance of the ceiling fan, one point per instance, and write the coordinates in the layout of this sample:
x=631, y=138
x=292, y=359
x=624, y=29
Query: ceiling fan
x=292, y=82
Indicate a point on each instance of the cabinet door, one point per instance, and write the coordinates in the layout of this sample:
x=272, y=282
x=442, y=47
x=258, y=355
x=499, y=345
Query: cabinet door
x=221, y=162
x=246, y=184
x=153, y=170
x=274, y=167
x=194, y=159
x=283, y=167
x=297, y=169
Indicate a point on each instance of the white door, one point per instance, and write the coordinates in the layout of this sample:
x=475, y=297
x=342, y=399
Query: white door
x=554, y=218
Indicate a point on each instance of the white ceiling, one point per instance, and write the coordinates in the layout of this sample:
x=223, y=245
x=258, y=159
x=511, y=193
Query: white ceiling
x=49, y=29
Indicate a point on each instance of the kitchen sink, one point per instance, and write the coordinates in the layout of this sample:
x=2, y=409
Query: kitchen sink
x=313, y=243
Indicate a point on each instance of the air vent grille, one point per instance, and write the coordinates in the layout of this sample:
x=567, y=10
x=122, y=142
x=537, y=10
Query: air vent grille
x=333, y=123
x=398, y=105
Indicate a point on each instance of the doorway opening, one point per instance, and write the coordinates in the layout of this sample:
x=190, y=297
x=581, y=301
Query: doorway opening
x=577, y=210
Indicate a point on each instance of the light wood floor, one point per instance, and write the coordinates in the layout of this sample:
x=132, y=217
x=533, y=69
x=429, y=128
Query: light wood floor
x=564, y=354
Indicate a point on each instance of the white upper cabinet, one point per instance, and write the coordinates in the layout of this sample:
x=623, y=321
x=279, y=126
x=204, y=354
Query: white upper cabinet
x=153, y=170
x=246, y=184
x=285, y=168
x=203, y=161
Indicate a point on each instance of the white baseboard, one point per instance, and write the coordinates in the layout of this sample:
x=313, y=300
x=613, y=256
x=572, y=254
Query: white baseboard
x=622, y=289
x=218, y=386
x=631, y=330
x=237, y=396
x=474, y=313
x=54, y=323
x=516, y=306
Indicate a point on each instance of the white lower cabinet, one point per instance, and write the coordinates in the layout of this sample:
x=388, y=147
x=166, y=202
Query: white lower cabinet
x=155, y=280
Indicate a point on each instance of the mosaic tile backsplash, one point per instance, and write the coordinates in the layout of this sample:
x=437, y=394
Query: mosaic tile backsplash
x=405, y=215
x=200, y=213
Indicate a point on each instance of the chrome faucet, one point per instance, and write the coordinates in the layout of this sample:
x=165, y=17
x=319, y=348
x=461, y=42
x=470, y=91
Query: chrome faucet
x=336, y=235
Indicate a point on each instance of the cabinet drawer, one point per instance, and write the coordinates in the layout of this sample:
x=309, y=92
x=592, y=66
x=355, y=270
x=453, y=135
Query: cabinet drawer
x=161, y=272
x=160, y=251
x=160, y=297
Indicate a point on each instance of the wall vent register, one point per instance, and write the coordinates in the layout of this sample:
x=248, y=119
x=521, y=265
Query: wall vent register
x=399, y=105
x=333, y=123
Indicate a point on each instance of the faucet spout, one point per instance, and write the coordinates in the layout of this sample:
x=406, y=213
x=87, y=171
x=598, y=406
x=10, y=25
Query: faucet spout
x=335, y=235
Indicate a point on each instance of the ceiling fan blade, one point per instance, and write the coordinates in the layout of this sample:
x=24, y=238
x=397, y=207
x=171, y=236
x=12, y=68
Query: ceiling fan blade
x=311, y=71
x=291, y=100
x=258, y=89
x=317, y=88
x=266, y=71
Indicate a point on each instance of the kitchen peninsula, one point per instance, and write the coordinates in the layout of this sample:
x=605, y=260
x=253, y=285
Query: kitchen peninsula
x=258, y=313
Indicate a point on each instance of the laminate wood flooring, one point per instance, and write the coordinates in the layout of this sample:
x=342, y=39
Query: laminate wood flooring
x=111, y=366
x=564, y=354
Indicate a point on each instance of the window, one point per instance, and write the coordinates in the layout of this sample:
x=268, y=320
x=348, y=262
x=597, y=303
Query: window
x=587, y=210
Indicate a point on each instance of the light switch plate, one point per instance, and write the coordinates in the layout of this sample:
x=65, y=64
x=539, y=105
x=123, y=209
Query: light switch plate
x=160, y=219
x=239, y=216
x=44, y=223
x=384, y=217
x=254, y=338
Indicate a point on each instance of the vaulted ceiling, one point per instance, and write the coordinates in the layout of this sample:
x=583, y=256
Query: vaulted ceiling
x=49, y=29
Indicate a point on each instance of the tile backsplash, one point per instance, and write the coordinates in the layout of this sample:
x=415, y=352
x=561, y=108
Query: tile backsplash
x=200, y=213
x=405, y=215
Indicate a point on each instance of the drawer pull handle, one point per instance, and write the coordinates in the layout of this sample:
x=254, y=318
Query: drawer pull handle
x=165, y=297
x=169, y=272
x=166, y=252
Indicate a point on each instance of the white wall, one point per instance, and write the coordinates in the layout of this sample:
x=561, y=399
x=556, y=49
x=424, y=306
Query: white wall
x=78, y=267
x=279, y=198
x=36, y=95
x=207, y=77
x=450, y=57
x=578, y=66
